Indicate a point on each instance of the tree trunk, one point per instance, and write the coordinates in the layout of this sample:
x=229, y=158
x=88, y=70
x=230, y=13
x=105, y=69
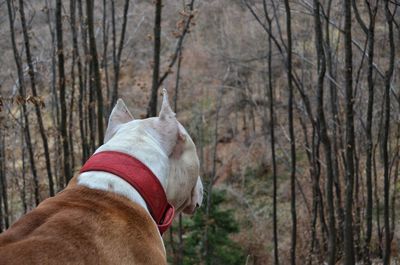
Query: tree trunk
x=95, y=73
x=152, y=107
x=104, y=60
x=61, y=87
x=323, y=134
x=273, y=155
x=117, y=56
x=4, y=214
x=82, y=70
x=37, y=104
x=348, y=226
x=370, y=33
x=22, y=94
x=291, y=134
x=385, y=137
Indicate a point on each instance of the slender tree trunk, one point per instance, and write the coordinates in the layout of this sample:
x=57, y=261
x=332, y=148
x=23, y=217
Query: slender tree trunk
x=104, y=60
x=4, y=215
x=335, y=124
x=76, y=54
x=71, y=115
x=291, y=134
x=180, y=255
x=55, y=112
x=95, y=73
x=34, y=93
x=22, y=94
x=396, y=161
x=350, y=143
x=152, y=107
x=2, y=227
x=91, y=109
x=177, y=81
x=61, y=87
x=368, y=166
x=23, y=175
x=270, y=92
x=206, y=243
x=273, y=155
x=82, y=70
x=385, y=137
x=323, y=134
x=117, y=57
x=179, y=46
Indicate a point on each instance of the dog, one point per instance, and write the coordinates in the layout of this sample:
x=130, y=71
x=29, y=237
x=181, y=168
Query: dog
x=125, y=196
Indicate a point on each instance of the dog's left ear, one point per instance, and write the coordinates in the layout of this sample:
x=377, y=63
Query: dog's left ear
x=172, y=133
x=119, y=115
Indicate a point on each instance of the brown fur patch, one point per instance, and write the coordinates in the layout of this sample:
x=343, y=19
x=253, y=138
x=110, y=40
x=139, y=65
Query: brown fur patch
x=83, y=226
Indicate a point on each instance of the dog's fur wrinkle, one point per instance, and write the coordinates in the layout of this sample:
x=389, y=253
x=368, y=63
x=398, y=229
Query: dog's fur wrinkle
x=92, y=223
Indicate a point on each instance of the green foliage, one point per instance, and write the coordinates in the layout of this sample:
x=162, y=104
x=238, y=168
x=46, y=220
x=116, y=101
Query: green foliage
x=221, y=224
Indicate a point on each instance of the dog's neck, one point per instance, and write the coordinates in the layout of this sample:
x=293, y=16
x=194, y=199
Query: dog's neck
x=100, y=180
x=150, y=153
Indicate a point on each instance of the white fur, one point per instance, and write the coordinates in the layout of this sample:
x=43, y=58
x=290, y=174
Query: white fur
x=100, y=180
x=133, y=140
x=163, y=145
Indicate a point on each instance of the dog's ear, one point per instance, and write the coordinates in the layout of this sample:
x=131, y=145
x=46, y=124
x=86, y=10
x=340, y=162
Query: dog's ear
x=119, y=115
x=166, y=113
x=180, y=143
x=172, y=134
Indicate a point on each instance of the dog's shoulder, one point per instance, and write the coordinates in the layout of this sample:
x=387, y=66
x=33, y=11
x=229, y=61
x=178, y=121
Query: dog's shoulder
x=83, y=226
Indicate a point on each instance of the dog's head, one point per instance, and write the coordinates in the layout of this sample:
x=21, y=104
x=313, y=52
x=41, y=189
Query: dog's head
x=183, y=185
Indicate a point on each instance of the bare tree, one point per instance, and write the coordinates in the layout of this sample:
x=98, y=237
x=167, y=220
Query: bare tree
x=22, y=94
x=95, y=71
x=370, y=32
x=350, y=143
x=37, y=104
x=323, y=134
x=291, y=133
x=117, y=52
x=272, y=135
x=104, y=60
x=61, y=87
x=152, y=107
x=385, y=136
x=4, y=212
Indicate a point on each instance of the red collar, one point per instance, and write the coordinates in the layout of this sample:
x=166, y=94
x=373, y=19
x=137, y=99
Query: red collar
x=141, y=178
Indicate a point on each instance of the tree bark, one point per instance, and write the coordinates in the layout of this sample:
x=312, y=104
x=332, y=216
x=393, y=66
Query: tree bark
x=273, y=155
x=104, y=60
x=350, y=142
x=61, y=87
x=75, y=50
x=370, y=33
x=83, y=72
x=35, y=95
x=117, y=56
x=291, y=135
x=95, y=73
x=22, y=94
x=323, y=134
x=152, y=107
x=385, y=137
x=4, y=211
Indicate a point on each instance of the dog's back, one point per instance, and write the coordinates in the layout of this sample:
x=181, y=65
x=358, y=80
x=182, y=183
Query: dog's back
x=83, y=226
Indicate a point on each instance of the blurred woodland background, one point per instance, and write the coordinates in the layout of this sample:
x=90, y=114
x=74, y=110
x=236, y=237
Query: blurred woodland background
x=294, y=106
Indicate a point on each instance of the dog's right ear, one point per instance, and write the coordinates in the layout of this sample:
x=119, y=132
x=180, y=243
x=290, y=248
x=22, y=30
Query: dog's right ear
x=119, y=115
